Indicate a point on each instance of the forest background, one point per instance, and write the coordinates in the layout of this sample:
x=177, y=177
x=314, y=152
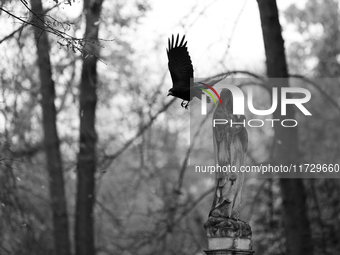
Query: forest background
x=94, y=156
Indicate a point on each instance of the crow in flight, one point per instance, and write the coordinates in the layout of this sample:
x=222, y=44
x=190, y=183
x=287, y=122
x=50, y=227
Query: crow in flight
x=181, y=71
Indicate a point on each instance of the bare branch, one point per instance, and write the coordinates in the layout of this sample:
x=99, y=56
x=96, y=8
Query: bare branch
x=109, y=158
x=66, y=40
x=191, y=206
x=233, y=32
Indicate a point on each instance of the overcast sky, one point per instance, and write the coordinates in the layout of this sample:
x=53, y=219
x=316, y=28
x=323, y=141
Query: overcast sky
x=209, y=25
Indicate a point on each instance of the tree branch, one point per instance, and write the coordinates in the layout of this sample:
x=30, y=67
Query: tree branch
x=109, y=158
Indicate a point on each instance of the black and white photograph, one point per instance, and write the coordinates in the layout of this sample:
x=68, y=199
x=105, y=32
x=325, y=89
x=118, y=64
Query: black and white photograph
x=158, y=127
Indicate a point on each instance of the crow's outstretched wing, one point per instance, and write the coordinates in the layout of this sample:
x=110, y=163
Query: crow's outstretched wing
x=180, y=65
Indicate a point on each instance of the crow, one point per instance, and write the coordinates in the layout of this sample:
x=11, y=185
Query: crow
x=181, y=71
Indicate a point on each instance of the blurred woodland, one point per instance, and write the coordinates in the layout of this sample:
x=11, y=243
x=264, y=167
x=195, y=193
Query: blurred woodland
x=94, y=156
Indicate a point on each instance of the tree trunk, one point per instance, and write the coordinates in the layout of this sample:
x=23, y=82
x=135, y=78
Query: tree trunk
x=86, y=167
x=51, y=139
x=296, y=222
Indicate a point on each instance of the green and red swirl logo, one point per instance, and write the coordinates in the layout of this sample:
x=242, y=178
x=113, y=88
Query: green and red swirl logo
x=212, y=97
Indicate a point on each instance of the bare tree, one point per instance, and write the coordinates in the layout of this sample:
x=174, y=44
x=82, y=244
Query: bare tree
x=295, y=218
x=51, y=139
x=86, y=168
